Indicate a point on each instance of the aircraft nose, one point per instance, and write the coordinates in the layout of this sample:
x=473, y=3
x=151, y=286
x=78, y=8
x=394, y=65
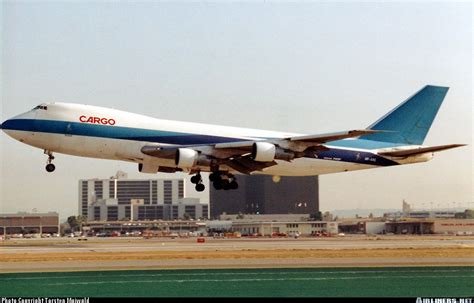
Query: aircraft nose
x=12, y=124
x=11, y=127
x=16, y=122
x=5, y=125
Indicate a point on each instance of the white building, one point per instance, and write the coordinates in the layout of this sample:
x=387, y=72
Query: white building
x=138, y=199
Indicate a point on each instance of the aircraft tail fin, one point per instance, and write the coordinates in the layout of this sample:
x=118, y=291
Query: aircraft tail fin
x=410, y=121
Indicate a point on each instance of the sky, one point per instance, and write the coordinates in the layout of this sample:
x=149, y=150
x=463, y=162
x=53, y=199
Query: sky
x=309, y=68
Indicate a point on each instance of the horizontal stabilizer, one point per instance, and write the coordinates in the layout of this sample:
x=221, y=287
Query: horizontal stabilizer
x=417, y=151
x=320, y=139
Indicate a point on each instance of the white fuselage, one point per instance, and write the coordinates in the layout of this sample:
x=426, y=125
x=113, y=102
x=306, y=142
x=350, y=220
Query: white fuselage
x=105, y=133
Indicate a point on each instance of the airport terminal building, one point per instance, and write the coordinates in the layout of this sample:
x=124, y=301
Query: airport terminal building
x=120, y=198
x=29, y=223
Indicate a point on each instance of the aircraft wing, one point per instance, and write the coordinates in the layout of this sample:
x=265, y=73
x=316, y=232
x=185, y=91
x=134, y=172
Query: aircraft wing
x=420, y=150
x=238, y=155
x=311, y=139
x=164, y=152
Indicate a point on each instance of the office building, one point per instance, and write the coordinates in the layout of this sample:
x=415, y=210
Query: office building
x=119, y=198
x=267, y=195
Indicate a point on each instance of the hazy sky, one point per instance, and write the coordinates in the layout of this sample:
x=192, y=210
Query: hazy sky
x=307, y=68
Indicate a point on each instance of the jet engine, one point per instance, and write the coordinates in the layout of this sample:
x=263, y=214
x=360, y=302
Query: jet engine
x=188, y=158
x=267, y=152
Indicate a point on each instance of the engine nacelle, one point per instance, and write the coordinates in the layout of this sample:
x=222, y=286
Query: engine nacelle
x=263, y=151
x=267, y=152
x=186, y=157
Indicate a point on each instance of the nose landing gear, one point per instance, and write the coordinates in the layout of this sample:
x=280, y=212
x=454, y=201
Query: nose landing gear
x=50, y=167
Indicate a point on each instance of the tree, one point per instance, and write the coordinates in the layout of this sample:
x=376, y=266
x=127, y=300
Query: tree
x=316, y=216
x=186, y=216
x=469, y=213
x=72, y=221
x=76, y=221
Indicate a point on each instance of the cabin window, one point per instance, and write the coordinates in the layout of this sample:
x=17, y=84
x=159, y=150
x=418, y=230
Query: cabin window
x=43, y=107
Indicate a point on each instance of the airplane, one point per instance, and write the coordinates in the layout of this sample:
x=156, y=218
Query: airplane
x=158, y=145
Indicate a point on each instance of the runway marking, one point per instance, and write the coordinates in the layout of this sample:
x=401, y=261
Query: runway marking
x=233, y=274
x=254, y=280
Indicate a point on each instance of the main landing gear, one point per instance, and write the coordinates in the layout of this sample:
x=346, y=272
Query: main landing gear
x=197, y=179
x=223, y=181
x=219, y=180
x=50, y=167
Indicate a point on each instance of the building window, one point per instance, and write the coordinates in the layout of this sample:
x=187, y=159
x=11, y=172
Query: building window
x=97, y=213
x=98, y=189
x=154, y=192
x=112, y=189
x=175, y=212
x=205, y=211
x=150, y=212
x=168, y=191
x=190, y=210
x=85, y=198
x=112, y=213
x=128, y=190
x=180, y=189
x=141, y=212
x=128, y=212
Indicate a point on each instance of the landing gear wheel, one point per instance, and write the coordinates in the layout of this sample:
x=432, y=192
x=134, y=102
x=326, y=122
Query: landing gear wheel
x=50, y=166
x=217, y=184
x=200, y=187
x=214, y=176
x=195, y=179
x=234, y=185
x=226, y=185
x=223, y=181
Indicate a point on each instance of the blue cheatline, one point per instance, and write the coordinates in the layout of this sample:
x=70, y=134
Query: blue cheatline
x=113, y=132
x=167, y=137
x=410, y=122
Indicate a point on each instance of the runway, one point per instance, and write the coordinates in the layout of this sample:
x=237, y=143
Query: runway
x=283, y=282
x=189, y=244
x=70, y=254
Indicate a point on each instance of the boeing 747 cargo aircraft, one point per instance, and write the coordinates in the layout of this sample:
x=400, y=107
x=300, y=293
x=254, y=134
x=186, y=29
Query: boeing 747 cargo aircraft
x=158, y=145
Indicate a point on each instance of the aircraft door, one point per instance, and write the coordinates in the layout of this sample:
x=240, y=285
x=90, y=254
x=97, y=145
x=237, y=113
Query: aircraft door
x=69, y=130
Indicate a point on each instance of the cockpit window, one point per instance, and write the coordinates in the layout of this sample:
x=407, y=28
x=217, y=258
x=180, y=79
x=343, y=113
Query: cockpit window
x=43, y=107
